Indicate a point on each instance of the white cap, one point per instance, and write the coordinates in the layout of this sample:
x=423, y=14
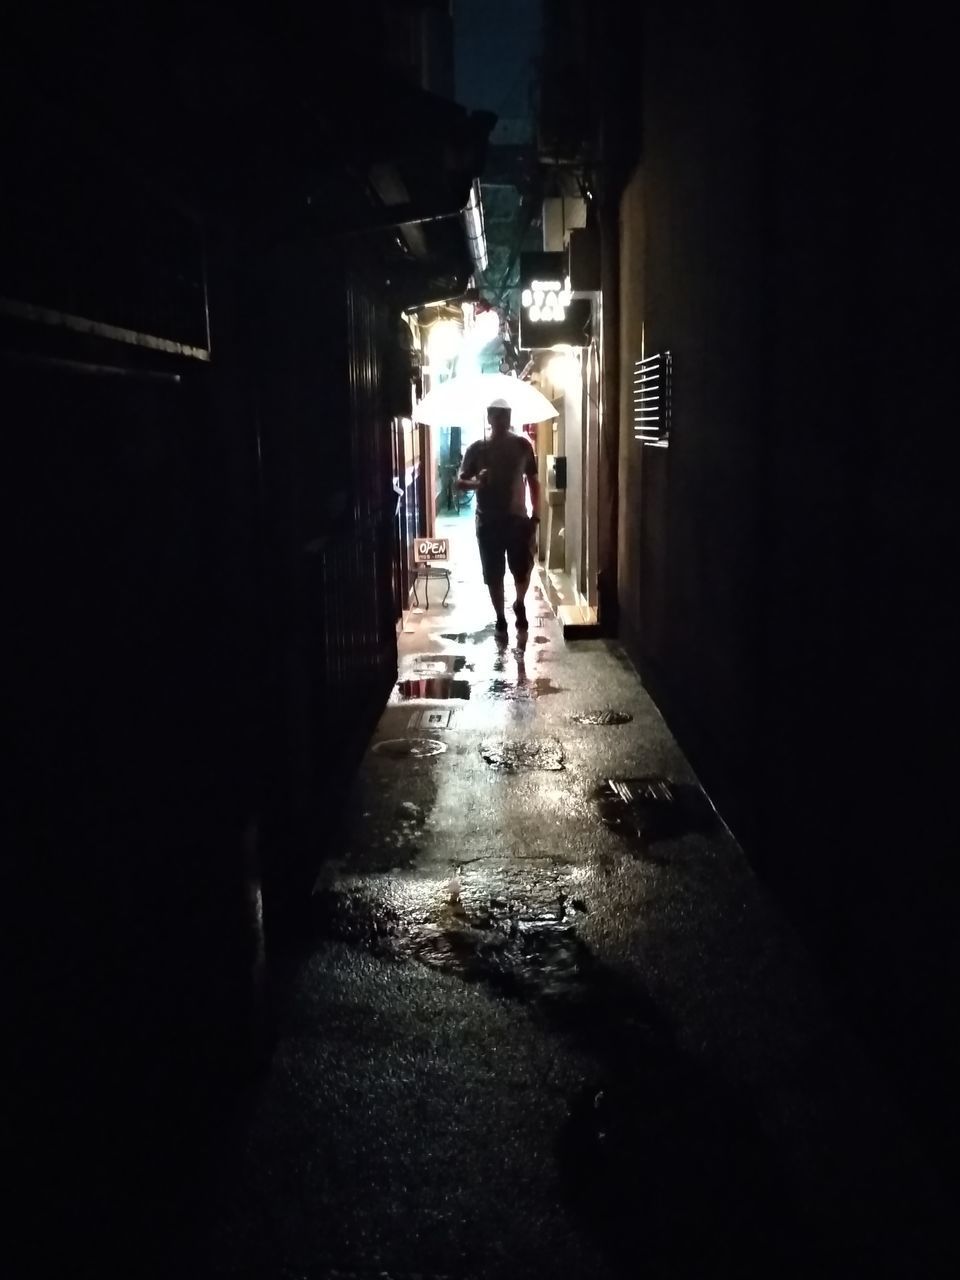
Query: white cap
x=499, y=403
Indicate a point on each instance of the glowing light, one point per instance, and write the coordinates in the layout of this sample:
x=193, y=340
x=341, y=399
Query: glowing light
x=486, y=328
x=538, y=297
x=564, y=371
x=534, y=312
x=445, y=340
x=526, y=298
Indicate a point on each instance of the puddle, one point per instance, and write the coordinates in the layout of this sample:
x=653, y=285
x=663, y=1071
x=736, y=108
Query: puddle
x=656, y=1137
x=512, y=755
x=522, y=690
x=436, y=664
x=524, y=947
x=652, y=1140
x=602, y=717
x=433, y=687
x=405, y=748
x=653, y=808
x=469, y=637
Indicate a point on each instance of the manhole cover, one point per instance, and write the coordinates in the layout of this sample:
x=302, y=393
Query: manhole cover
x=513, y=754
x=404, y=748
x=431, y=718
x=602, y=717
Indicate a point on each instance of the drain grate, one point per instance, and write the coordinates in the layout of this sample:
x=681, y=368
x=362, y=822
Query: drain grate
x=512, y=755
x=602, y=717
x=653, y=791
x=653, y=807
x=409, y=748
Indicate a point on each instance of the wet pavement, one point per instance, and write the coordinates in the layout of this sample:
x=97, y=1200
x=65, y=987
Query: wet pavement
x=546, y=1023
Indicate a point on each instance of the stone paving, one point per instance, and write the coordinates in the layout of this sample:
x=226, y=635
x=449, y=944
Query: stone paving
x=547, y=1022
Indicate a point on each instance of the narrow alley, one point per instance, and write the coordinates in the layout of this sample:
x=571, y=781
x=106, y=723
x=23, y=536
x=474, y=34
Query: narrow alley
x=352, y=929
x=546, y=1027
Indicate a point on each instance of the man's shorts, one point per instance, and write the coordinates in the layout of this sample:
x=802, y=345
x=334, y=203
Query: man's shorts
x=505, y=536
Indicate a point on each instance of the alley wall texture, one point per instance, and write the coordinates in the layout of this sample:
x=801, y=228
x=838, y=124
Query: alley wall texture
x=782, y=574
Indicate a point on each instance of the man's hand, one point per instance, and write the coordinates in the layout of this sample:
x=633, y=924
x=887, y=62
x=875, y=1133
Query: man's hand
x=534, y=530
x=463, y=484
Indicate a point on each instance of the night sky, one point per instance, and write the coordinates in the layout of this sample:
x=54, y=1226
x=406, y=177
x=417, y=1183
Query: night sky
x=496, y=44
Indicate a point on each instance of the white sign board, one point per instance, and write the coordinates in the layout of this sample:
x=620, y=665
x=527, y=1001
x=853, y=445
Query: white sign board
x=431, y=549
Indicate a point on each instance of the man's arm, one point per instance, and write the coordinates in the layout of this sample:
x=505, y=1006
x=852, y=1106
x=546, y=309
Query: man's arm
x=532, y=474
x=468, y=477
x=534, y=485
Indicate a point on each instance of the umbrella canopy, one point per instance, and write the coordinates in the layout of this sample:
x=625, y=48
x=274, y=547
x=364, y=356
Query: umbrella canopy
x=461, y=399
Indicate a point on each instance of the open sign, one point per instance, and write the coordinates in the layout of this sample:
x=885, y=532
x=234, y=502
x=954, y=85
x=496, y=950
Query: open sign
x=431, y=549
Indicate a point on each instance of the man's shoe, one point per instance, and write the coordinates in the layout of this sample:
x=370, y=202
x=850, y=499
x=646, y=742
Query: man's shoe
x=501, y=626
x=521, y=612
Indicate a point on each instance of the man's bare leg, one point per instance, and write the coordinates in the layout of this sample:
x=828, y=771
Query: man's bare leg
x=496, y=598
x=519, y=609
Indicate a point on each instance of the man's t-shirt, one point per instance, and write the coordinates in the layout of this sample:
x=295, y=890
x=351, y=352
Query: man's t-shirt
x=506, y=460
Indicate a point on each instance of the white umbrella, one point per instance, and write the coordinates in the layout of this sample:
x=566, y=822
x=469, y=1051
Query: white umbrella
x=461, y=399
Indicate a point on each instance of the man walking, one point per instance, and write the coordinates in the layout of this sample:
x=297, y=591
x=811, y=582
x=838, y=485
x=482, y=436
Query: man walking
x=497, y=468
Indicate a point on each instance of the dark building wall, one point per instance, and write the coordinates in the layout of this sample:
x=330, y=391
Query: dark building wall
x=197, y=603
x=693, y=248
x=781, y=571
x=329, y=511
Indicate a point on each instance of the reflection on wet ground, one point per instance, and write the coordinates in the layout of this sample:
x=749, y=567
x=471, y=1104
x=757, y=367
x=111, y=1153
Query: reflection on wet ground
x=500, y=934
x=650, y=1133
x=469, y=637
x=433, y=687
x=638, y=1084
x=513, y=754
x=437, y=664
x=497, y=672
x=539, y=687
